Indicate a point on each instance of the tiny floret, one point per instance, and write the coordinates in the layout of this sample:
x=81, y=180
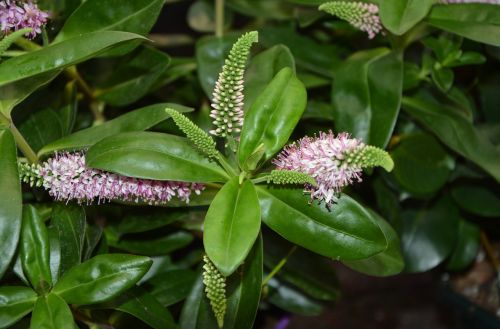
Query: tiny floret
x=18, y=15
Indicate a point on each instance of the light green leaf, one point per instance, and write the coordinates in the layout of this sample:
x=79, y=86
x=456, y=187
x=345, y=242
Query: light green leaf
x=398, y=16
x=51, y=312
x=15, y=303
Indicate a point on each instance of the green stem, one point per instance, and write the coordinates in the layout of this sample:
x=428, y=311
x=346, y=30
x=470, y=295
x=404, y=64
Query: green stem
x=278, y=266
x=261, y=179
x=225, y=164
x=23, y=144
x=219, y=18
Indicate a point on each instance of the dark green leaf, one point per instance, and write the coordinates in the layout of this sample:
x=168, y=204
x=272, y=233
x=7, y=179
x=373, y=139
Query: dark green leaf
x=477, y=200
x=15, y=303
x=70, y=224
x=262, y=8
x=11, y=200
x=35, y=250
x=428, y=235
x=347, y=231
x=42, y=128
x=456, y=132
x=101, y=278
x=231, y=225
x=135, y=223
x=398, y=16
x=284, y=97
x=197, y=313
x=58, y=56
x=138, y=120
x=443, y=78
x=172, y=286
x=367, y=95
x=467, y=247
x=153, y=156
x=152, y=246
x=92, y=237
x=421, y=165
x=51, y=312
x=292, y=300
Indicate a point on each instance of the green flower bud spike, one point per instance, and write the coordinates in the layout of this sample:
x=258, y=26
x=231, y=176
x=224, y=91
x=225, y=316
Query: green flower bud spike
x=200, y=139
x=29, y=173
x=370, y=156
x=290, y=177
x=215, y=288
x=6, y=42
x=227, y=101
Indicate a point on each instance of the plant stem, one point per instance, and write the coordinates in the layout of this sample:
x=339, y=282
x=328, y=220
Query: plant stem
x=261, y=179
x=219, y=18
x=489, y=251
x=225, y=164
x=23, y=144
x=278, y=266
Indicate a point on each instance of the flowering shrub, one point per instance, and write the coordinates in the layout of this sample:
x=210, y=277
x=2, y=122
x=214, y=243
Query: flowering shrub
x=310, y=132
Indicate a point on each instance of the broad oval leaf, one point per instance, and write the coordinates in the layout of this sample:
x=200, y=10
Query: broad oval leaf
x=367, y=95
x=101, y=278
x=35, y=250
x=11, y=200
x=477, y=199
x=51, y=312
x=61, y=55
x=172, y=286
x=231, y=225
x=466, y=248
x=347, y=231
x=398, y=16
x=15, y=303
x=273, y=116
x=137, y=16
x=138, y=120
x=153, y=156
x=478, y=22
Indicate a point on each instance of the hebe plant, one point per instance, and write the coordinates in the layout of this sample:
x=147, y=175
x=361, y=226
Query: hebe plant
x=159, y=217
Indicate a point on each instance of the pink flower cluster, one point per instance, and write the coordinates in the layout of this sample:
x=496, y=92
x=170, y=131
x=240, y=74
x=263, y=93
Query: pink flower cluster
x=16, y=15
x=66, y=177
x=325, y=158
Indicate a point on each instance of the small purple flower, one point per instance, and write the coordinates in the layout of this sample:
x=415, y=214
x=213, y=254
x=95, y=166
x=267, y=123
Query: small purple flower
x=327, y=159
x=66, y=177
x=16, y=15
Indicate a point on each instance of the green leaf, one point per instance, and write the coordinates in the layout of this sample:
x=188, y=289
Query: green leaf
x=101, y=278
x=15, y=303
x=262, y=70
x=231, y=225
x=172, y=286
x=398, y=16
x=11, y=200
x=93, y=234
x=138, y=120
x=443, y=78
x=386, y=263
x=347, y=231
x=152, y=246
x=292, y=300
x=70, y=223
x=284, y=97
x=153, y=156
x=367, y=95
x=141, y=222
x=58, y=56
x=35, y=250
x=51, y=312
x=477, y=200
x=422, y=165
x=275, y=9
x=450, y=126
x=466, y=248
x=137, y=16
x=478, y=22
x=197, y=313
x=42, y=128
x=133, y=77
x=145, y=307
x=428, y=235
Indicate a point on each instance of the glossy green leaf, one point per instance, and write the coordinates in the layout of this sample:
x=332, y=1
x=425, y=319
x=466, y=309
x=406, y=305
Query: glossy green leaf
x=347, y=231
x=70, y=223
x=140, y=222
x=51, y=312
x=197, y=313
x=15, y=303
x=450, y=126
x=428, y=235
x=443, y=78
x=61, y=55
x=137, y=16
x=101, y=278
x=292, y=300
x=262, y=70
x=11, y=200
x=42, y=128
x=35, y=250
x=152, y=246
x=477, y=199
x=386, y=263
x=93, y=234
x=138, y=120
x=275, y=9
x=284, y=97
x=142, y=305
x=421, y=164
x=133, y=77
x=231, y=225
x=467, y=247
x=172, y=286
x=398, y=16
x=153, y=156
x=478, y=22
x=367, y=95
